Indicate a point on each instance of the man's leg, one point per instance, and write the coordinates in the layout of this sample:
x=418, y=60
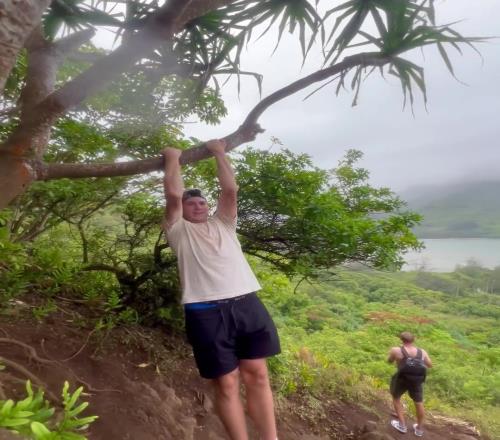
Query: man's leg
x=229, y=406
x=417, y=395
x=419, y=409
x=259, y=396
x=398, y=407
x=396, y=392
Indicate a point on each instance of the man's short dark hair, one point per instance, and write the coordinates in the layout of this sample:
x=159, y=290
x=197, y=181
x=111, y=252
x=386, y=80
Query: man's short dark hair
x=407, y=337
x=194, y=192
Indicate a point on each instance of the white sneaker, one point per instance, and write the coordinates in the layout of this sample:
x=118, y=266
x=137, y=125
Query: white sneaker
x=418, y=432
x=401, y=428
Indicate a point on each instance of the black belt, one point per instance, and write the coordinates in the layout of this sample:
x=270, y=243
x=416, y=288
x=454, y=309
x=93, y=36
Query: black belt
x=211, y=304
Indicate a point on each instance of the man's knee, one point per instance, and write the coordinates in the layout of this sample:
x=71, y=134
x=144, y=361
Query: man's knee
x=228, y=385
x=254, y=372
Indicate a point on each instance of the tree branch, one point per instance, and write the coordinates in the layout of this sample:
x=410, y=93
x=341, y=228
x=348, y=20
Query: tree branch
x=44, y=58
x=362, y=59
x=245, y=133
x=106, y=268
x=17, y=20
x=66, y=46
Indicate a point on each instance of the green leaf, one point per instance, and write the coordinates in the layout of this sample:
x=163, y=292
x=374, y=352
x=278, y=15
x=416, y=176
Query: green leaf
x=445, y=57
x=40, y=431
x=74, y=397
x=7, y=407
x=73, y=412
x=9, y=423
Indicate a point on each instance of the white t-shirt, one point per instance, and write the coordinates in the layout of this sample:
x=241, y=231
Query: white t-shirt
x=211, y=263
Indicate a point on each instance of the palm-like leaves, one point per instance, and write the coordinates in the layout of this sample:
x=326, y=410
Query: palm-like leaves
x=402, y=26
x=71, y=15
x=212, y=44
x=291, y=14
x=209, y=45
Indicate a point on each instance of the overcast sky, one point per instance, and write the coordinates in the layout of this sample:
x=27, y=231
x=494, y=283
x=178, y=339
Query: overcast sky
x=456, y=140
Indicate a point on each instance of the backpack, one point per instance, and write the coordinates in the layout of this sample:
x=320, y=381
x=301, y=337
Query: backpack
x=412, y=369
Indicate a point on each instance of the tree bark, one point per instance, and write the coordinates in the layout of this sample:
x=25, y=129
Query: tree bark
x=17, y=20
x=46, y=171
x=44, y=58
x=16, y=172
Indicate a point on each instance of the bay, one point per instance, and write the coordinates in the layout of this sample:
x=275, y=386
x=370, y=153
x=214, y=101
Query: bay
x=444, y=255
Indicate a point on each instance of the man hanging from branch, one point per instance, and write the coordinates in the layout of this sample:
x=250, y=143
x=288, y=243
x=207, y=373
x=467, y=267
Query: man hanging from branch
x=227, y=325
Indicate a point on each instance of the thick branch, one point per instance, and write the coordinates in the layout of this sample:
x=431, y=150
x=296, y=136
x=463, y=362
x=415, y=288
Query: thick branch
x=245, y=133
x=361, y=59
x=17, y=20
x=107, y=268
x=44, y=58
x=40, y=80
x=66, y=46
x=57, y=171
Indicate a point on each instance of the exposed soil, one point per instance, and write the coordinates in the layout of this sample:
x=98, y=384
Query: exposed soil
x=143, y=385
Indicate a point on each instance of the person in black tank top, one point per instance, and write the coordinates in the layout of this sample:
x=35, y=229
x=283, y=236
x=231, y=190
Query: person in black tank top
x=412, y=364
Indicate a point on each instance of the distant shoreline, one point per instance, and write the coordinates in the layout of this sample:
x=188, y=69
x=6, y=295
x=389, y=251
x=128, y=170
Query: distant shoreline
x=445, y=254
x=454, y=237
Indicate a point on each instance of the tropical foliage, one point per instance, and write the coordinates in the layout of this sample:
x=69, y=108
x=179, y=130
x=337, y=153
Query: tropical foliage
x=98, y=240
x=337, y=334
x=299, y=218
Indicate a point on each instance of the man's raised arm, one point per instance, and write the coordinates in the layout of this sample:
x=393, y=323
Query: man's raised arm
x=227, y=206
x=173, y=186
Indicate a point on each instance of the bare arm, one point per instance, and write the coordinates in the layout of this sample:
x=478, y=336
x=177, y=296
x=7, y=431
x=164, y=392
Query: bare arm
x=427, y=360
x=173, y=186
x=228, y=205
x=392, y=355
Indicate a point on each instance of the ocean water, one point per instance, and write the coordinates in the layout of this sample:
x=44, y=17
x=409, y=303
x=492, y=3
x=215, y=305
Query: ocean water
x=444, y=255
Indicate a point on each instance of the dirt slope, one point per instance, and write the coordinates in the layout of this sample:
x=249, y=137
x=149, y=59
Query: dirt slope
x=143, y=385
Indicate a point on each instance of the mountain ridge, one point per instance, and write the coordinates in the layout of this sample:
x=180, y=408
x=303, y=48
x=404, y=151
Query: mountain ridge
x=456, y=210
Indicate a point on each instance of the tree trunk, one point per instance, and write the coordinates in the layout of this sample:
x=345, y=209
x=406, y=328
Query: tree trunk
x=16, y=174
x=17, y=20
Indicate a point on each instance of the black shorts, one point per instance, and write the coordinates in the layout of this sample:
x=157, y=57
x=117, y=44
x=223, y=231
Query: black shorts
x=224, y=331
x=400, y=385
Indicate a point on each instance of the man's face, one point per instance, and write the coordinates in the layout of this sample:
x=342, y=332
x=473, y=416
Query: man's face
x=195, y=210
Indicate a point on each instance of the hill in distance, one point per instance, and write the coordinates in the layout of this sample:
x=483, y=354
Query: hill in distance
x=458, y=210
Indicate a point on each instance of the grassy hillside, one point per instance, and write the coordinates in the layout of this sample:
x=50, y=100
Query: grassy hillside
x=469, y=210
x=336, y=336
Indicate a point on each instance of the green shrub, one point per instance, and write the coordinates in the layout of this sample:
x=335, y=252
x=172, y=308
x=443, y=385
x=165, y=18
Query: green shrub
x=33, y=417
